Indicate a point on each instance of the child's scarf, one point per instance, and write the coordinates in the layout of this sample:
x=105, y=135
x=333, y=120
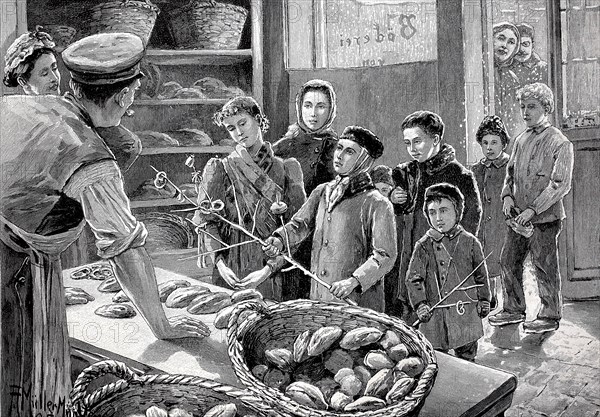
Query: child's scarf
x=338, y=189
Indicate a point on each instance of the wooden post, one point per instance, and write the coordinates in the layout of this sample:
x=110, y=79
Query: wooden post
x=276, y=95
x=451, y=74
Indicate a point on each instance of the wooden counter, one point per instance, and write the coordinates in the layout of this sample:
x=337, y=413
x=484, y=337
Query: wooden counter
x=461, y=389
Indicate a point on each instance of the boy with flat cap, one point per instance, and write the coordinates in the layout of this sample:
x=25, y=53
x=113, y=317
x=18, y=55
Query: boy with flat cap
x=58, y=174
x=354, y=243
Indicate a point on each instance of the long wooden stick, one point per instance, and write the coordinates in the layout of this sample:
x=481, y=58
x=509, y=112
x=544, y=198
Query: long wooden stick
x=259, y=240
x=217, y=250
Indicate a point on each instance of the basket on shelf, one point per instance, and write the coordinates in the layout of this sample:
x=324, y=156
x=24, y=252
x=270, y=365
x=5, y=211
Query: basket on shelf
x=130, y=16
x=208, y=25
x=134, y=393
x=167, y=231
x=283, y=322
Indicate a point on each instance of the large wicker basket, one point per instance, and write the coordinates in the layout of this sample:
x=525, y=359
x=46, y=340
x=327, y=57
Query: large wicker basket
x=134, y=393
x=285, y=321
x=129, y=16
x=208, y=25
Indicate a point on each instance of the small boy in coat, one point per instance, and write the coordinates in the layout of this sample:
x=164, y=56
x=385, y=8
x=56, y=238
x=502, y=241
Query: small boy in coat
x=538, y=176
x=433, y=162
x=493, y=138
x=445, y=256
x=353, y=227
x=382, y=179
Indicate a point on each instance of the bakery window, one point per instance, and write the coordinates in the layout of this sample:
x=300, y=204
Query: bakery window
x=359, y=33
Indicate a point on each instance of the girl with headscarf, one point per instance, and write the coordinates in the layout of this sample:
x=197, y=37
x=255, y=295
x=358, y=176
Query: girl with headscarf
x=248, y=181
x=311, y=140
x=31, y=64
x=354, y=227
x=506, y=45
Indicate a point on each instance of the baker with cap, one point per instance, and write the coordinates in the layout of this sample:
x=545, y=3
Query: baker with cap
x=105, y=69
x=59, y=174
x=354, y=243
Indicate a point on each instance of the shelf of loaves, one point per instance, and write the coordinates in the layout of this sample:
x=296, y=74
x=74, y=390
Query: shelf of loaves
x=159, y=202
x=181, y=101
x=198, y=57
x=187, y=150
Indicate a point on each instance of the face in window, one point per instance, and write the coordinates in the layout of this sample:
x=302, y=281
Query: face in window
x=525, y=49
x=533, y=112
x=505, y=43
x=345, y=156
x=442, y=215
x=243, y=129
x=383, y=188
x=44, y=78
x=491, y=146
x=315, y=109
x=420, y=145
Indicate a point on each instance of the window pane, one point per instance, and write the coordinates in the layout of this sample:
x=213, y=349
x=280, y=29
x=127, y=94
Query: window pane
x=581, y=52
x=374, y=33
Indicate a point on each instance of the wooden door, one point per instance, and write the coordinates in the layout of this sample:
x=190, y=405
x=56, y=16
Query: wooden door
x=574, y=29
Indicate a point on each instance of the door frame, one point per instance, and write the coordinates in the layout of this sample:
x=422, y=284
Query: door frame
x=577, y=284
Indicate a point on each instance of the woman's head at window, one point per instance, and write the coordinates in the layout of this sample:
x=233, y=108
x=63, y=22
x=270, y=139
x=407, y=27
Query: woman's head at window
x=506, y=43
x=31, y=64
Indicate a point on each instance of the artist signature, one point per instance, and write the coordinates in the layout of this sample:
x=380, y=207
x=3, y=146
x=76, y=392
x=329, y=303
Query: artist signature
x=25, y=403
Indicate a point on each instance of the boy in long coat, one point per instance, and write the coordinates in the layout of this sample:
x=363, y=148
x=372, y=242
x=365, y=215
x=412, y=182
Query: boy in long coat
x=433, y=162
x=445, y=256
x=354, y=242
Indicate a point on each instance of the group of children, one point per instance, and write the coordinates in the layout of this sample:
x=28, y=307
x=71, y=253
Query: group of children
x=416, y=241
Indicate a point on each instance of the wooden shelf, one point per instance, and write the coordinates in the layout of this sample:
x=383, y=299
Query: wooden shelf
x=198, y=57
x=181, y=101
x=159, y=202
x=187, y=149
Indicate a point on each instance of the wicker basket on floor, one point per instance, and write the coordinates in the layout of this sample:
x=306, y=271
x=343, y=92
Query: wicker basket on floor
x=129, y=16
x=134, y=393
x=208, y=25
x=285, y=321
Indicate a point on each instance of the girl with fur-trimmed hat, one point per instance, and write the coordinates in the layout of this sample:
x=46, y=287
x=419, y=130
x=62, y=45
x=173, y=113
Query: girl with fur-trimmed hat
x=442, y=258
x=489, y=174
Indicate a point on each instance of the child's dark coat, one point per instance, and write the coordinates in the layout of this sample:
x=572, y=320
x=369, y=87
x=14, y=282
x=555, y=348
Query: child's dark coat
x=437, y=265
x=414, y=178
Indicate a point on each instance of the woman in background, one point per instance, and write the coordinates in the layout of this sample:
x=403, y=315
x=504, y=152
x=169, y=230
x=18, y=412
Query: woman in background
x=31, y=64
x=312, y=141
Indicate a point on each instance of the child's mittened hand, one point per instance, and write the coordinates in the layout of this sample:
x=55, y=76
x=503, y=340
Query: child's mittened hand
x=398, y=196
x=483, y=308
x=424, y=313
